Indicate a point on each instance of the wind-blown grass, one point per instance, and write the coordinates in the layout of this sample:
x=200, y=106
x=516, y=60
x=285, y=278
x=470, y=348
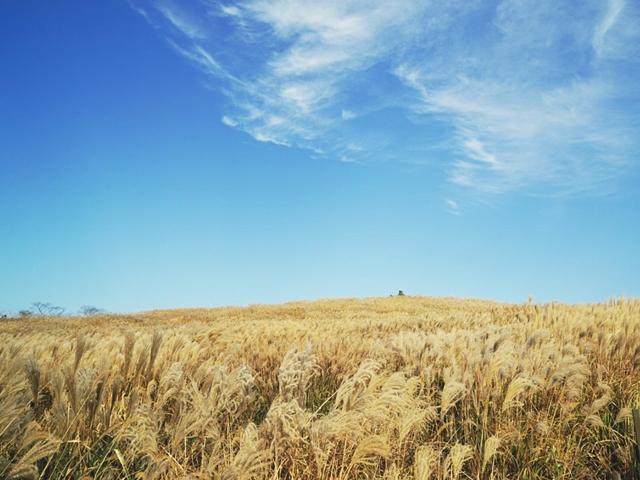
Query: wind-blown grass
x=394, y=388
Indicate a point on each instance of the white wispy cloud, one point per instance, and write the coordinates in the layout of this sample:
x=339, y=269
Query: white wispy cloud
x=510, y=94
x=182, y=21
x=230, y=10
x=452, y=206
x=608, y=21
x=228, y=121
x=518, y=119
x=348, y=114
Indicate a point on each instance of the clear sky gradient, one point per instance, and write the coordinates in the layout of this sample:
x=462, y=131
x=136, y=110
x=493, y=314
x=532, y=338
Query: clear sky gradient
x=158, y=154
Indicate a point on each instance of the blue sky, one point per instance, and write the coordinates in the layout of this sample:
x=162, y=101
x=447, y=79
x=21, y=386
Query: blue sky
x=197, y=153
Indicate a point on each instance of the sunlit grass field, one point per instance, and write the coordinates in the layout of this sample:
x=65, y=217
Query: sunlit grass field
x=382, y=388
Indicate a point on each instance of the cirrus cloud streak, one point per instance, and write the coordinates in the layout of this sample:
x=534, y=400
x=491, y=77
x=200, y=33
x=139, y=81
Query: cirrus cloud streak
x=505, y=95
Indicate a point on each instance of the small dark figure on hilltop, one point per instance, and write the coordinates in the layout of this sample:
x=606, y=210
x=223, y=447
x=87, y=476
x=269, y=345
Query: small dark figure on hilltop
x=400, y=293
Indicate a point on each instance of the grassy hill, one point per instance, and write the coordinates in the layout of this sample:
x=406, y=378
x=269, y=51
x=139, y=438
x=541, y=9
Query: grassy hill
x=384, y=388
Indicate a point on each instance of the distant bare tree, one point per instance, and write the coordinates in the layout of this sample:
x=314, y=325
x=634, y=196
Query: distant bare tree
x=47, y=309
x=25, y=313
x=89, y=310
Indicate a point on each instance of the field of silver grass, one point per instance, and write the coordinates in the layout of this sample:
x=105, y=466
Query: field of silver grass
x=390, y=388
